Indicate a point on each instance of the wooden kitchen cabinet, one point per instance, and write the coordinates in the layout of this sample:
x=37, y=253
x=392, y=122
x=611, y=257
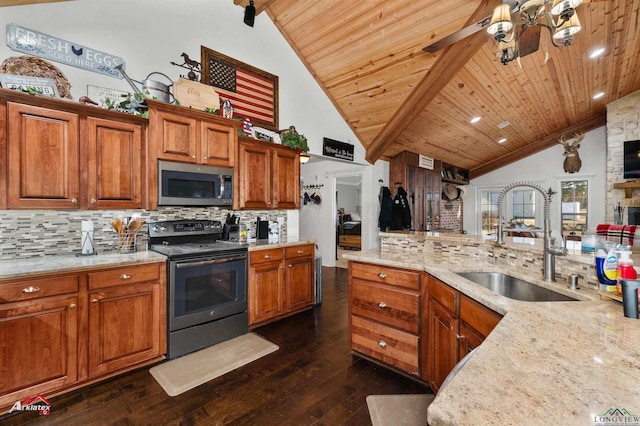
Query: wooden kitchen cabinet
x=116, y=164
x=269, y=176
x=385, y=322
x=43, y=148
x=63, y=331
x=186, y=135
x=457, y=325
x=281, y=282
x=69, y=156
x=39, y=322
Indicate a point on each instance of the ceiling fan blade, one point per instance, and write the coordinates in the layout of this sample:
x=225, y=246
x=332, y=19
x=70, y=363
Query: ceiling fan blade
x=458, y=35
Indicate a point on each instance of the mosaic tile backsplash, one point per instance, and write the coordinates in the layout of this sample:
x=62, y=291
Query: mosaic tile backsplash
x=33, y=233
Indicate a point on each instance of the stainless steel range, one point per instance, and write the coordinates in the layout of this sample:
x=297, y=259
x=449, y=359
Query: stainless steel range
x=206, y=281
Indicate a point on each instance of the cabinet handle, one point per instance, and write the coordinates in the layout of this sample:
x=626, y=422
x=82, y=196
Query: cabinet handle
x=267, y=256
x=94, y=300
x=72, y=306
x=31, y=289
x=125, y=276
x=193, y=156
x=459, y=337
x=93, y=201
x=382, y=305
x=300, y=251
x=382, y=275
x=74, y=200
x=382, y=343
x=290, y=266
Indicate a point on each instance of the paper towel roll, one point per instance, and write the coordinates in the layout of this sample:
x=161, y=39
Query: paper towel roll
x=87, y=237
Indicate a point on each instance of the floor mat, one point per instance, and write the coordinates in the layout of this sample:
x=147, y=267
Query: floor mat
x=399, y=410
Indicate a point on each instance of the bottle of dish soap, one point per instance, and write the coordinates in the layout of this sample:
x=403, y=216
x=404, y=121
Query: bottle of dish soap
x=610, y=267
x=625, y=270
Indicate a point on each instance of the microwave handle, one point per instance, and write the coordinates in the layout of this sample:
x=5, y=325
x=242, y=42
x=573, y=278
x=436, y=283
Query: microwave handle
x=209, y=262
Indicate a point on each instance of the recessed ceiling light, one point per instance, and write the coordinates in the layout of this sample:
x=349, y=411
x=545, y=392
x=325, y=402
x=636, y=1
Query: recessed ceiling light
x=596, y=53
x=598, y=95
x=503, y=124
x=503, y=140
x=475, y=120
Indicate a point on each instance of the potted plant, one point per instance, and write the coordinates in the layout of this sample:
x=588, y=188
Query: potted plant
x=293, y=139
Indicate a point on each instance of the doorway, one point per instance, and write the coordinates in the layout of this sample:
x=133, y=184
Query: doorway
x=348, y=214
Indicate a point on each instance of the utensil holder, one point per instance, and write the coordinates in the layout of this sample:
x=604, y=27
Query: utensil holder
x=127, y=243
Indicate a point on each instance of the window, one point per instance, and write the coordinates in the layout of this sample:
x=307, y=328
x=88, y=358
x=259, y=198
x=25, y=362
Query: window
x=524, y=207
x=575, y=206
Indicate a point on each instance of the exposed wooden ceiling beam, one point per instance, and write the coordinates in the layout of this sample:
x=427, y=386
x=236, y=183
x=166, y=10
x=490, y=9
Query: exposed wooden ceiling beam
x=537, y=146
x=452, y=60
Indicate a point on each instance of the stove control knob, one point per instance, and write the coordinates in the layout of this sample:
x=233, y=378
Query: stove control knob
x=155, y=228
x=163, y=228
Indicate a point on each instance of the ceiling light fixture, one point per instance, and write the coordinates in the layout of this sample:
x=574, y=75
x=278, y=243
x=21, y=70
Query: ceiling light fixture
x=502, y=140
x=558, y=16
x=598, y=95
x=250, y=14
x=474, y=120
x=596, y=53
x=304, y=157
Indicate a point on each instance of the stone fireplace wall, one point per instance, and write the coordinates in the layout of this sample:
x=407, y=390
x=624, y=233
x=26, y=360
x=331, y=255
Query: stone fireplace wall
x=623, y=124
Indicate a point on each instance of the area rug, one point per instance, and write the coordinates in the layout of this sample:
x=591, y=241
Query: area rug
x=398, y=410
x=184, y=373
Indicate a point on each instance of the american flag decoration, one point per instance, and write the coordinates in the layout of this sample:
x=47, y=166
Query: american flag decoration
x=252, y=92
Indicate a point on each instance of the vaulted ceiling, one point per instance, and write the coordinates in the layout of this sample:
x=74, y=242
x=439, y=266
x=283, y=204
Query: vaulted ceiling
x=368, y=57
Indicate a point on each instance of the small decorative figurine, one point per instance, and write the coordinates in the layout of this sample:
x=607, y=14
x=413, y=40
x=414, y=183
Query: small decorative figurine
x=227, y=109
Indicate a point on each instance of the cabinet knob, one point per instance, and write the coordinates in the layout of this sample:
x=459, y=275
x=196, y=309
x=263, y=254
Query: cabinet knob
x=93, y=201
x=290, y=266
x=94, y=300
x=382, y=275
x=125, y=276
x=193, y=156
x=31, y=289
x=267, y=256
x=382, y=305
x=72, y=306
x=74, y=200
x=459, y=337
x=205, y=158
x=382, y=343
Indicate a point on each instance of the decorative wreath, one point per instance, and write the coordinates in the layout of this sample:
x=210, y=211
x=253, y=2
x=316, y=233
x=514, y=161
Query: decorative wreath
x=32, y=66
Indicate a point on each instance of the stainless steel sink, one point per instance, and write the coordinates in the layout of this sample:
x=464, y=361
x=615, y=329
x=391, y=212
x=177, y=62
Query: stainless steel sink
x=514, y=288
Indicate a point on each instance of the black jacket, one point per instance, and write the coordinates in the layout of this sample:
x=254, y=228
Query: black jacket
x=386, y=209
x=401, y=213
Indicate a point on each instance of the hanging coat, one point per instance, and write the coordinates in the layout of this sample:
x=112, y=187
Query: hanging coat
x=386, y=209
x=401, y=213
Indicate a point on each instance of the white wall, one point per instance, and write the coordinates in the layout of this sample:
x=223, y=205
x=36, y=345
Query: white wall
x=348, y=197
x=545, y=169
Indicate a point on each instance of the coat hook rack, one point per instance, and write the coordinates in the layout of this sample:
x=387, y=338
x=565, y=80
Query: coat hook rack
x=316, y=186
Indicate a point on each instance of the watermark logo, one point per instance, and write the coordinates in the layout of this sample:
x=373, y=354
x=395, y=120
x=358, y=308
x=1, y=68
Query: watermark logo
x=34, y=403
x=617, y=417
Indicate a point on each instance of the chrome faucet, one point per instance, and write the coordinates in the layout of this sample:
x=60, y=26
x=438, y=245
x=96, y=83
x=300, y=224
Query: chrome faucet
x=549, y=263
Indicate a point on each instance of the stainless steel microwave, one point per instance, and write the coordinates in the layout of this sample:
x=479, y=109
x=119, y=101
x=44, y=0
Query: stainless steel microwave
x=184, y=184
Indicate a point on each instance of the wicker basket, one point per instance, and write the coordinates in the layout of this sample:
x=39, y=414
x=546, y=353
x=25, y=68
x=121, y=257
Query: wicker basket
x=31, y=66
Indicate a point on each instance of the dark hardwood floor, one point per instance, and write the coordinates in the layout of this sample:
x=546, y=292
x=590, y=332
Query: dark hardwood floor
x=311, y=380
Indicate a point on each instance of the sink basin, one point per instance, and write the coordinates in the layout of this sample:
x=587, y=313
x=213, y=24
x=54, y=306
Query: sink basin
x=514, y=288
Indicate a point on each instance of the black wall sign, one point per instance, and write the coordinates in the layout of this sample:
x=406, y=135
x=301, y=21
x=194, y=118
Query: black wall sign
x=336, y=149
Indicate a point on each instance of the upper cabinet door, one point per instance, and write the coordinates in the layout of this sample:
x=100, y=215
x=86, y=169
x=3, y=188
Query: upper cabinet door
x=286, y=179
x=219, y=144
x=176, y=136
x=255, y=176
x=42, y=158
x=115, y=164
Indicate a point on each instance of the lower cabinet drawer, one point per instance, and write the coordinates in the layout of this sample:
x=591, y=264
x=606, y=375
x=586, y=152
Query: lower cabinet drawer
x=389, y=305
x=393, y=347
x=124, y=275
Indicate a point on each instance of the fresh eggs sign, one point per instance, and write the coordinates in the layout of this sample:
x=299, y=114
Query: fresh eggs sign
x=24, y=40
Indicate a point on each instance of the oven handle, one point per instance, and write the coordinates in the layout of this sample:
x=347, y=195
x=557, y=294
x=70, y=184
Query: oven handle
x=209, y=262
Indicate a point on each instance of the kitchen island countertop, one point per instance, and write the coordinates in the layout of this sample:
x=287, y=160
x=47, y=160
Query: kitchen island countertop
x=545, y=363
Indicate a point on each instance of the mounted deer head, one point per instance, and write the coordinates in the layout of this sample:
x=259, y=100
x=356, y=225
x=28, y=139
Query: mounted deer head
x=572, y=162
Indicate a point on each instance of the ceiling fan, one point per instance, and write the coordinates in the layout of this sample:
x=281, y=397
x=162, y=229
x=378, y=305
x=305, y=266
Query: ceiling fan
x=529, y=35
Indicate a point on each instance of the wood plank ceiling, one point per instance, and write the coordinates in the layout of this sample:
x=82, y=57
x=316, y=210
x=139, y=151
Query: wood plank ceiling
x=367, y=55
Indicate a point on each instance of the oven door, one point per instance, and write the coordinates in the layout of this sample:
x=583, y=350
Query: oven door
x=207, y=288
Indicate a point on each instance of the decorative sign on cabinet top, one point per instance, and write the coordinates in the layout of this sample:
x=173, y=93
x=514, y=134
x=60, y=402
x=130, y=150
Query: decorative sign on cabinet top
x=35, y=43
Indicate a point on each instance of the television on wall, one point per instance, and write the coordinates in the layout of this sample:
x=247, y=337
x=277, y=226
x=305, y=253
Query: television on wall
x=632, y=159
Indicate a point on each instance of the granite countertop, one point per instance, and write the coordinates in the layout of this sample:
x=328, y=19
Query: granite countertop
x=545, y=362
x=69, y=263
x=288, y=242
